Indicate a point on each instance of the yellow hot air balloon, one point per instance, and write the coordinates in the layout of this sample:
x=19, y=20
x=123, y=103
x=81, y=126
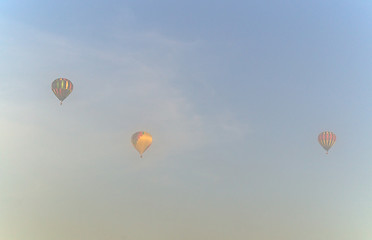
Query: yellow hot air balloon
x=141, y=141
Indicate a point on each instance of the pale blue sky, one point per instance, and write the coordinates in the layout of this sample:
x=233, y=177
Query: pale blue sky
x=234, y=93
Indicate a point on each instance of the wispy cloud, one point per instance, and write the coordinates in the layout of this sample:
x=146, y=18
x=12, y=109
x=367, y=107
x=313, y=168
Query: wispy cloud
x=119, y=88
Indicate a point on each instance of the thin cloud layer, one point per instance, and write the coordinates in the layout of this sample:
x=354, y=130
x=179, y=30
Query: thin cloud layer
x=136, y=92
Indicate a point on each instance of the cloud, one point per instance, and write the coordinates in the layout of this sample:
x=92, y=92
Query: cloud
x=126, y=85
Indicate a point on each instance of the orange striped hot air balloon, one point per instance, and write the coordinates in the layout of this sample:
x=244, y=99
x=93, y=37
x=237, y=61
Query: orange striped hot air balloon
x=327, y=139
x=62, y=87
x=141, y=141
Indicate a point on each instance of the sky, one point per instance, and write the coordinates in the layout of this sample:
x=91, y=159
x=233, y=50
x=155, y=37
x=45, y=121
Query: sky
x=234, y=94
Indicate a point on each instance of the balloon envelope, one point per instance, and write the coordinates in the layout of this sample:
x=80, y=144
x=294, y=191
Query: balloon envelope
x=62, y=87
x=141, y=141
x=327, y=139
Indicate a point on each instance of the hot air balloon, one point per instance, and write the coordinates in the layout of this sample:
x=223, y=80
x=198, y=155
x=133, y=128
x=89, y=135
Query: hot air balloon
x=141, y=141
x=327, y=139
x=62, y=87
